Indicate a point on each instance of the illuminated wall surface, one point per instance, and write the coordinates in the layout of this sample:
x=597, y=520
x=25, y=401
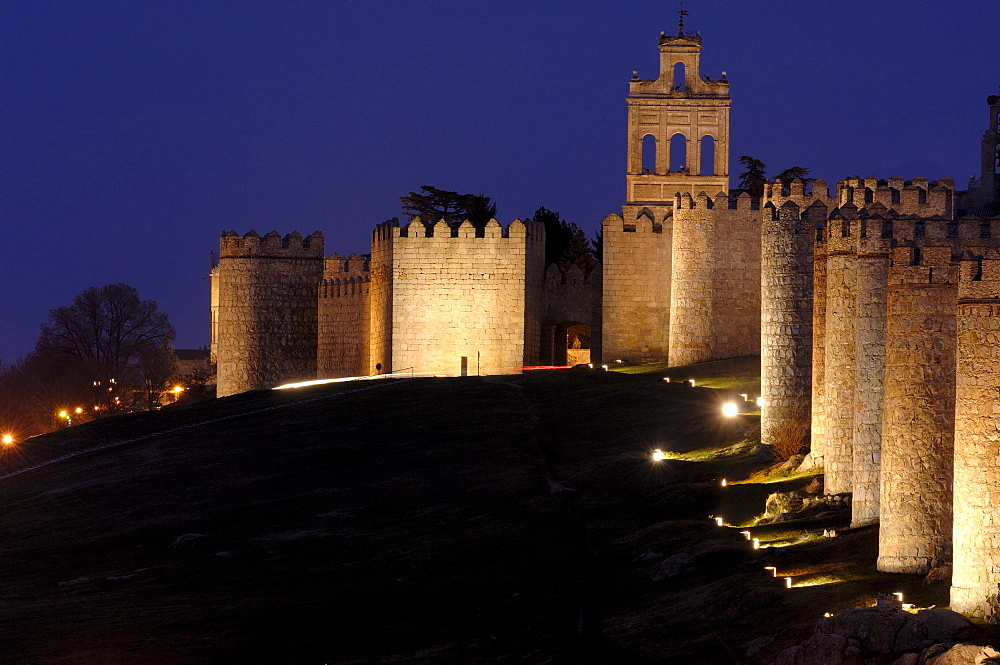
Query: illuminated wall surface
x=876, y=315
x=976, y=578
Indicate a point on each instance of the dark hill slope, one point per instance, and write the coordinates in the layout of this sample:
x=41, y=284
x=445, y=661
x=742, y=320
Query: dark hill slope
x=496, y=520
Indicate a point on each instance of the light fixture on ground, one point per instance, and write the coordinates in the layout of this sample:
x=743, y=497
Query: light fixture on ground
x=658, y=455
x=788, y=582
x=691, y=381
x=730, y=410
x=745, y=534
x=756, y=543
x=773, y=569
x=723, y=483
x=760, y=401
x=718, y=521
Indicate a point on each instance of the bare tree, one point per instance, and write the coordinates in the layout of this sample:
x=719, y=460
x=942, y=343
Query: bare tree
x=115, y=338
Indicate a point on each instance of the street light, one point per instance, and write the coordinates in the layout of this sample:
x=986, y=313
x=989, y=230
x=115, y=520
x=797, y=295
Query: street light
x=8, y=440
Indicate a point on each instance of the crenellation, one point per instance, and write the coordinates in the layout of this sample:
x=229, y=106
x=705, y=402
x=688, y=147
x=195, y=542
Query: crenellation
x=876, y=311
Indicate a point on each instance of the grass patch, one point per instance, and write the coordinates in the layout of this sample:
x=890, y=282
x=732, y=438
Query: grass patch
x=740, y=374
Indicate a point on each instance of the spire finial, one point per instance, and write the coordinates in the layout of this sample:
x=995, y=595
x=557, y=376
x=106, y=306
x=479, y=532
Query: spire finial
x=681, y=13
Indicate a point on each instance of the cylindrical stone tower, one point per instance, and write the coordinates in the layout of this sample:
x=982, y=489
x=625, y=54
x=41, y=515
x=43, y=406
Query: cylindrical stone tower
x=267, y=327
x=840, y=363
x=975, y=586
x=692, y=268
x=786, y=325
x=918, y=431
x=871, y=275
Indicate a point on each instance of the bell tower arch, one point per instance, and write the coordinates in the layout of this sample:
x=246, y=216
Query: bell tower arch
x=680, y=109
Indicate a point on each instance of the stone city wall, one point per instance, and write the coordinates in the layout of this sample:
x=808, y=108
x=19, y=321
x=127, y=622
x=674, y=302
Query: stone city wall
x=570, y=298
x=792, y=310
x=736, y=283
x=267, y=323
x=919, y=410
x=976, y=577
x=344, y=318
x=786, y=323
x=693, y=260
x=636, y=274
x=461, y=296
x=380, y=299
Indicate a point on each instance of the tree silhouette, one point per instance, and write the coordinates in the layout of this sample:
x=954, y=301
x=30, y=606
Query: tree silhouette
x=753, y=178
x=115, y=338
x=433, y=205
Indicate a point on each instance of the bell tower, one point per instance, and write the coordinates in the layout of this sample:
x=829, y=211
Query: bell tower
x=678, y=127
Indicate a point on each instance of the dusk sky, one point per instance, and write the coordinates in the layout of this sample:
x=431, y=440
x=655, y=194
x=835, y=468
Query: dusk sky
x=134, y=133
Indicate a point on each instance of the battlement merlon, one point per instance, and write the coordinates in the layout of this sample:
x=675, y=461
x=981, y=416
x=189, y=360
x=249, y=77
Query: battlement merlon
x=271, y=245
x=916, y=266
x=533, y=233
x=338, y=266
x=979, y=279
x=684, y=49
x=916, y=196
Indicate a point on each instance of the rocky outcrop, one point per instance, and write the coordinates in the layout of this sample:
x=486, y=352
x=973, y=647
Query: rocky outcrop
x=885, y=635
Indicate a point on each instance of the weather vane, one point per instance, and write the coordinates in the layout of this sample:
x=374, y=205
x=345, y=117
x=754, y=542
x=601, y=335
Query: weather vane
x=681, y=14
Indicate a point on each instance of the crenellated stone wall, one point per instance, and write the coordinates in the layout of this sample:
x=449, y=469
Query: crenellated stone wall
x=871, y=264
x=570, y=299
x=975, y=586
x=693, y=265
x=636, y=280
x=344, y=317
x=456, y=296
x=919, y=410
x=786, y=323
x=267, y=311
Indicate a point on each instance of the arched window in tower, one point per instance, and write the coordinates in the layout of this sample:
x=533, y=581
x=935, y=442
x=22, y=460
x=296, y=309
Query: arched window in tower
x=649, y=154
x=678, y=153
x=707, y=155
x=679, y=76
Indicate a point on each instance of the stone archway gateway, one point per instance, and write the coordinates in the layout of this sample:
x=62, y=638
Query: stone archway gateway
x=570, y=343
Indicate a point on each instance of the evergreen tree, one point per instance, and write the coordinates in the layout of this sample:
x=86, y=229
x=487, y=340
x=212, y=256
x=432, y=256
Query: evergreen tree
x=792, y=173
x=433, y=205
x=753, y=178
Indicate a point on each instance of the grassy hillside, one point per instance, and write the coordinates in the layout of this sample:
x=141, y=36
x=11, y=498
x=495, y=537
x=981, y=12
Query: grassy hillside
x=467, y=520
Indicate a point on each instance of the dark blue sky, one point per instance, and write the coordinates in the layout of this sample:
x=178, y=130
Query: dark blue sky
x=133, y=133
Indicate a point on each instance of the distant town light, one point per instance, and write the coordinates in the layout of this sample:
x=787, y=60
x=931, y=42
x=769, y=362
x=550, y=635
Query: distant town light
x=78, y=410
x=658, y=455
x=730, y=410
x=177, y=390
x=827, y=615
x=64, y=414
